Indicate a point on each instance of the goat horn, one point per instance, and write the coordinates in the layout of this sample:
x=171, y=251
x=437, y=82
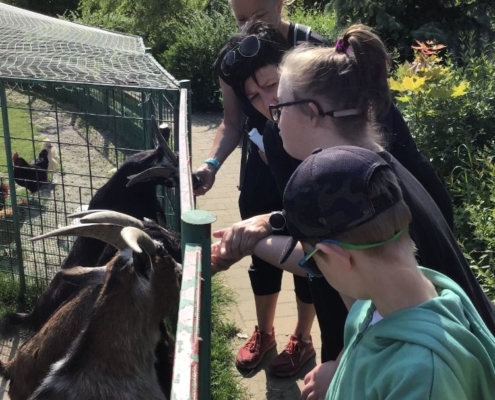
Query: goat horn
x=138, y=240
x=112, y=217
x=108, y=233
x=162, y=143
x=84, y=213
x=154, y=172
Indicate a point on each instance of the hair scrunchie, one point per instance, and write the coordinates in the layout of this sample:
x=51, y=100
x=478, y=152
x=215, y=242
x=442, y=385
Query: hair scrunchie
x=341, y=46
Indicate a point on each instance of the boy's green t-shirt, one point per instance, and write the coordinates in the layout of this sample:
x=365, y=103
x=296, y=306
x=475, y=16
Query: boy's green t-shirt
x=438, y=350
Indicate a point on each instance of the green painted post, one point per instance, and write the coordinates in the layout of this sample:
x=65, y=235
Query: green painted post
x=196, y=228
x=13, y=195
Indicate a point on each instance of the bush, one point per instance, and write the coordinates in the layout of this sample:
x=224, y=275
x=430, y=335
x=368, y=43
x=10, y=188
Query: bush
x=447, y=106
x=319, y=21
x=473, y=182
x=191, y=57
x=451, y=114
x=404, y=21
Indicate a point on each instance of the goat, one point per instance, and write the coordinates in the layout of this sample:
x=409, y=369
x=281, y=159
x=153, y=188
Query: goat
x=34, y=357
x=138, y=201
x=114, y=356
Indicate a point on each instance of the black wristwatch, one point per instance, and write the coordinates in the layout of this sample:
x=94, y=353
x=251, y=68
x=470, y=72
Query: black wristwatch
x=277, y=220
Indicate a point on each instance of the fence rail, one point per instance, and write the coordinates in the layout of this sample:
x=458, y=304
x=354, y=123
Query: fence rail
x=191, y=379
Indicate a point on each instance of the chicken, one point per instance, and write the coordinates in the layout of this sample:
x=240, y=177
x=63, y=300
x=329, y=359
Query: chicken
x=52, y=156
x=7, y=235
x=31, y=175
x=4, y=194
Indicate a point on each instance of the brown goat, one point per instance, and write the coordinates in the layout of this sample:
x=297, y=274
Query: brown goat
x=114, y=356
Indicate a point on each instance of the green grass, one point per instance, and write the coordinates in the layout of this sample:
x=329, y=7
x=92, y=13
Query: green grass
x=9, y=295
x=224, y=383
x=22, y=135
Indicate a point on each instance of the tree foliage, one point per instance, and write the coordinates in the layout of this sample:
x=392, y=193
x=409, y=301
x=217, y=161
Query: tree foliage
x=404, y=21
x=47, y=7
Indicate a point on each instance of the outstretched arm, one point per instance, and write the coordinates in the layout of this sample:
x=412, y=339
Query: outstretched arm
x=227, y=138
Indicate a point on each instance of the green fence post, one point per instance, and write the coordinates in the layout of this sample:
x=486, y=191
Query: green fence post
x=13, y=195
x=196, y=228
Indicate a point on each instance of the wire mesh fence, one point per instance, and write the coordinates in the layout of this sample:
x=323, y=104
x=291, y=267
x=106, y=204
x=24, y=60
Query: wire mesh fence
x=65, y=144
x=34, y=46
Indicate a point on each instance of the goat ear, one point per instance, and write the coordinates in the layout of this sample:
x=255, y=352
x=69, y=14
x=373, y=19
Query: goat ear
x=162, y=144
x=84, y=276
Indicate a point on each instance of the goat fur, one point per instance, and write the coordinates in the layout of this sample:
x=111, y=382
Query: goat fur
x=114, y=356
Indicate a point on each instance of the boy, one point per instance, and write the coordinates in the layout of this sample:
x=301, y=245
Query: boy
x=413, y=333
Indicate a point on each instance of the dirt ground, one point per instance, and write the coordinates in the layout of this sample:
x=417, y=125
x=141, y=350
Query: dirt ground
x=87, y=157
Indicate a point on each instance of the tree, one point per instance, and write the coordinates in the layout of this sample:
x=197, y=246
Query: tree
x=47, y=7
x=404, y=21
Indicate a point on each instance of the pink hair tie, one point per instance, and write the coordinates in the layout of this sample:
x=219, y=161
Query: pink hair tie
x=341, y=47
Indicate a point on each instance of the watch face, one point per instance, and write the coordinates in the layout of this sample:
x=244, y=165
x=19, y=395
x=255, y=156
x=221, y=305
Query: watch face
x=277, y=221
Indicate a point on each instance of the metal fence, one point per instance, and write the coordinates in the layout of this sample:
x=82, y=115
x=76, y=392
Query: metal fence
x=191, y=380
x=90, y=94
x=91, y=130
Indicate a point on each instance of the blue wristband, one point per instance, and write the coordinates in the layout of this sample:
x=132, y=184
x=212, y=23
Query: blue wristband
x=213, y=162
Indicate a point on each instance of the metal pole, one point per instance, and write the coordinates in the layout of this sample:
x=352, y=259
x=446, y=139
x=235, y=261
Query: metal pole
x=185, y=84
x=13, y=195
x=196, y=228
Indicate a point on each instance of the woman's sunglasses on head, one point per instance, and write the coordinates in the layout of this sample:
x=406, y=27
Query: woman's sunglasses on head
x=249, y=47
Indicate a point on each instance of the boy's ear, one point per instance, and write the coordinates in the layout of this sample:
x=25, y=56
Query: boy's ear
x=342, y=256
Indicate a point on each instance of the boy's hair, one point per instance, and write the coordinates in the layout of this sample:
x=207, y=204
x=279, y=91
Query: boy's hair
x=345, y=193
x=384, y=225
x=272, y=48
x=353, y=74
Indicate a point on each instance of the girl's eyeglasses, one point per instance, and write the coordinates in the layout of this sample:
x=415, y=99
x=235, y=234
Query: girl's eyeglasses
x=309, y=265
x=276, y=109
x=247, y=48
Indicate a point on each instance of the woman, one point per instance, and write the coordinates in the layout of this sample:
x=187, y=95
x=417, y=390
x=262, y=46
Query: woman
x=259, y=193
x=320, y=107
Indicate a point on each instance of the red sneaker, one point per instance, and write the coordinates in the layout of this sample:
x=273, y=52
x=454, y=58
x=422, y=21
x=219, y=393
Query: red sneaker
x=292, y=359
x=251, y=354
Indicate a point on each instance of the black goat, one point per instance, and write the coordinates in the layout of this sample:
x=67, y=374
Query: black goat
x=138, y=200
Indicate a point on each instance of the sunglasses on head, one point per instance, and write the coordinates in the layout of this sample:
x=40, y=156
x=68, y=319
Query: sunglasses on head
x=308, y=263
x=247, y=48
x=276, y=109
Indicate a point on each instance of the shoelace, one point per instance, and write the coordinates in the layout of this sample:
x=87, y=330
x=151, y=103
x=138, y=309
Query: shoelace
x=254, y=342
x=292, y=347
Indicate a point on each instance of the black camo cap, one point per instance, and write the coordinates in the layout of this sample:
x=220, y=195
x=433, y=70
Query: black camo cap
x=329, y=194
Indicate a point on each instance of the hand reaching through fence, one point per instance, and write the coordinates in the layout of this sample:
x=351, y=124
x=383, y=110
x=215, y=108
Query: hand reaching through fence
x=218, y=261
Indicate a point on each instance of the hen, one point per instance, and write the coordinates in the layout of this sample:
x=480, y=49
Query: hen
x=4, y=194
x=7, y=235
x=52, y=157
x=31, y=175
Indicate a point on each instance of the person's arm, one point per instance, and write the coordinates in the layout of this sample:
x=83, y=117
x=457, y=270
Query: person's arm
x=227, y=138
x=240, y=239
x=268, y=249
